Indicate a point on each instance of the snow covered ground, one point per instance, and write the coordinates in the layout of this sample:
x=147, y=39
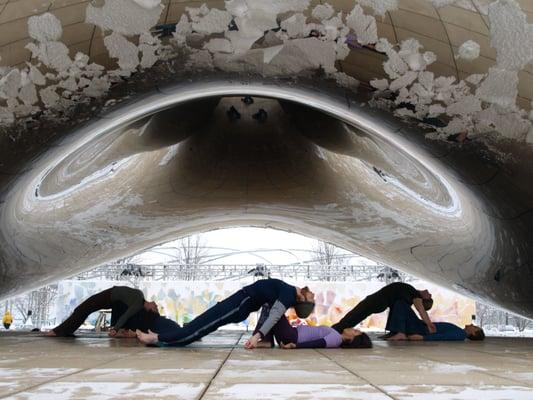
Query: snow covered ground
x=278, y=38
x=96, y=367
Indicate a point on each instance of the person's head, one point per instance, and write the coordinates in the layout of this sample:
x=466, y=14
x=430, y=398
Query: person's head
x=151, y=306
x=427, y=300
x=349, y=334
x=304, y=294
x=305, y=302
x=355, y=339
x=474, y=332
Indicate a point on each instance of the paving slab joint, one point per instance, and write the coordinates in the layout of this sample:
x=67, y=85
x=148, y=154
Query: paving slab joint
x=323, y=353
x=204, y=391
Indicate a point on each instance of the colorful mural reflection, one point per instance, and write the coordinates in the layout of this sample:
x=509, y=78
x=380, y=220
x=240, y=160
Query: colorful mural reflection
x=184, y=300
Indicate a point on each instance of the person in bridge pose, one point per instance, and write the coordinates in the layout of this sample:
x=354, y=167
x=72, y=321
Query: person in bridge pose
x=277, y=294
x=405, y=325
x=385, y=298
x=310, y=337
x=133, y=299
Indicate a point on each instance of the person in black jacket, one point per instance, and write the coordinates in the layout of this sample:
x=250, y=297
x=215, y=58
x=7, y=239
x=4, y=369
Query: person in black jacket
x=143, y=320
x=385, y=298
x=132, y=298
x=277, y=294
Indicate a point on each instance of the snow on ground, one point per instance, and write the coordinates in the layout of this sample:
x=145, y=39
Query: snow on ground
x=21, y=373
x=293, y=44
x=466, y=4
x=508, y=332
x=286, y=391
x=380, y=7
x=469, y=50
x=108, y=390
x=442, y=392
x=444, y=368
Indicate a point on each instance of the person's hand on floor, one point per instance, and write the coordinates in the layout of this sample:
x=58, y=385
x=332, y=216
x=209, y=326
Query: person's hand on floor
x=147, y=338
x=252, y=342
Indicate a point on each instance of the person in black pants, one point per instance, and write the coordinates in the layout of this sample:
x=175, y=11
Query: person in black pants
x=132, y=298
x=385, y=298
x=277, y=294
x=403, y=324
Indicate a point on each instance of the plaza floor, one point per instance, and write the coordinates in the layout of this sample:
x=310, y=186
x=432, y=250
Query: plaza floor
x=95, y=367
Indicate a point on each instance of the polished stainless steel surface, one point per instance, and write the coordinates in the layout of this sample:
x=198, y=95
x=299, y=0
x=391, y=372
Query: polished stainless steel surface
x=323, y=164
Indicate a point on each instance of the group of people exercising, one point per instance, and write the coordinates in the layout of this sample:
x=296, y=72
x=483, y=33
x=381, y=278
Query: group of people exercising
x=133, y=316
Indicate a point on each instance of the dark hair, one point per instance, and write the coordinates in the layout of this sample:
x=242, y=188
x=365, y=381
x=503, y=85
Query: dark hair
x=479, y=334
x=361, y=341
x=427, y=303
x=304, y=308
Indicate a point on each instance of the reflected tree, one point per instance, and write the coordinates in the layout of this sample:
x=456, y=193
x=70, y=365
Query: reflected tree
x=328, y=256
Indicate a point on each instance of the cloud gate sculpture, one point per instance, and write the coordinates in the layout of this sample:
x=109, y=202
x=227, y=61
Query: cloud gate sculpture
x=106, y=154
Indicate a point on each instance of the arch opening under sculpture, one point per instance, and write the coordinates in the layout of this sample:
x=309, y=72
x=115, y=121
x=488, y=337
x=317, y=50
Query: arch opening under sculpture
x=194, y=157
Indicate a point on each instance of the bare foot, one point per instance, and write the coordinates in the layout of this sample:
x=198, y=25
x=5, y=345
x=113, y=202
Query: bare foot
x=147, y=338
x=398, y=336
x=50, y=334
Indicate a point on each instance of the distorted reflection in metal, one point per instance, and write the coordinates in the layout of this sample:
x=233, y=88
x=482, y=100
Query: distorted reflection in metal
x=173, y=163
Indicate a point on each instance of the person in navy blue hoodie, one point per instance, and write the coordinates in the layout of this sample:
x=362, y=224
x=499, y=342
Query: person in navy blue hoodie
x=403, y=324
x=143, y=320
x=277, y=294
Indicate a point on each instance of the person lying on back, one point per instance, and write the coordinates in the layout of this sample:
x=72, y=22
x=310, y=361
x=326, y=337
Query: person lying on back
x=403, y=324
x=312, y=337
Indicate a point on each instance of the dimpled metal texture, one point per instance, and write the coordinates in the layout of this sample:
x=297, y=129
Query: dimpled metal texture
x=185, y=154
x=173, y=162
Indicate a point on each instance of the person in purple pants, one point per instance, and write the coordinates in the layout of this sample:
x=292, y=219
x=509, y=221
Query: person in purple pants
x=311, y=337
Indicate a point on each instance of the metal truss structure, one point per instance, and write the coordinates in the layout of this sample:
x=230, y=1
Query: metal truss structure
x=220, y=272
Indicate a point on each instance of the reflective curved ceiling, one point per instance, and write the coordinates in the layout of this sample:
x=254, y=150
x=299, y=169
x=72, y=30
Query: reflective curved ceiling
x=83, y=182
x=178, y=161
